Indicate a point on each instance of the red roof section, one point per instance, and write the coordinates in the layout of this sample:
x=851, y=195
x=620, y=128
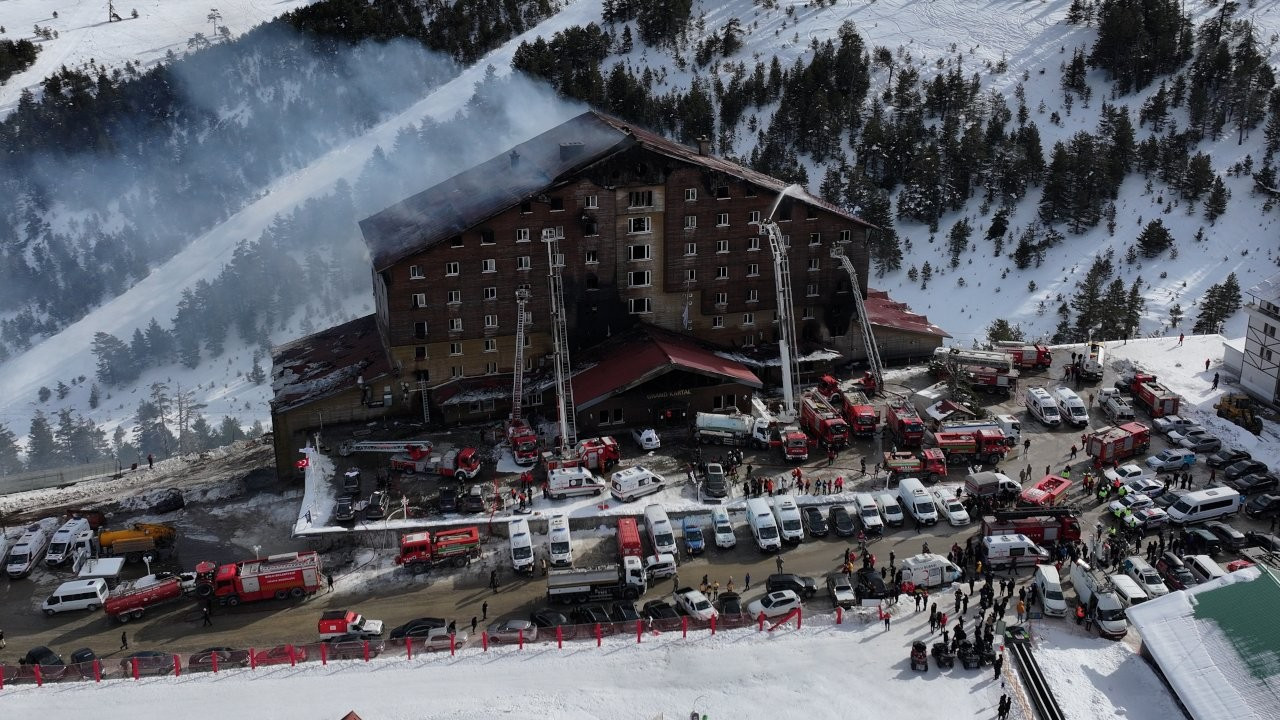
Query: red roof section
x=649, y=355
x=886, y=312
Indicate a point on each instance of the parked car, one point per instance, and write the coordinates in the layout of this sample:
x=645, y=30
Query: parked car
x=510, y=630
x=344, y=510
x=803, y=586
x=1256, y=483
x=1263, y=506
x=447, y=500
x=869, y=585
x=279, y=655
x=1171, y=423
x=227, y=658
x=1199, y=541
x=150, y=662
x=1149, y=518
x=694, y=604
x=714, y=483
x=1133, y=502
x=1124, y=473
x=1201, y=443
x=1147, y=577
x=1231, y=538
x=589, y=615
x=622, y=611
x=548, y=618
x=950, y=507
x=351, y=482
x=1227, y=456
x=1169, y=497
x=418, y=627
x=1244, y=467
x=774, y=604
x=51, y=665
x=439, y=639
x=814, y=522
x=646, y=438
x=1145, y=485
x=1171, y=460
x=1177, y=436
x=660, y=610
x=473, y=501
x=839, y=520
x=729, y=603
x=1174, y=571
x=840, y=590
x=350, y=646
x=1266, y=541
x=377, y=507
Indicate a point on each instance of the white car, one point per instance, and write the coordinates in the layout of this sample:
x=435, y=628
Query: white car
x=1146, y=485
x=438, y=639
x=1148, y=518
x=1124, y=473
x=695, y=604
x=950, y=507
x=646, y=438
x=775, y=604
x=1146, y=576
x=1132, y=502
x=1170, y=423
x=1194, y=431
x=511, y=630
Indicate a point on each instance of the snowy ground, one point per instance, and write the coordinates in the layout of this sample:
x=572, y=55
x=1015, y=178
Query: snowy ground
x=1096, y=678
x=84, y=34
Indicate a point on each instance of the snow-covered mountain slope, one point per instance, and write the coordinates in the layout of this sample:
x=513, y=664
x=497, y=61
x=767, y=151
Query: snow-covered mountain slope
x=220, y=383
x=85, y=35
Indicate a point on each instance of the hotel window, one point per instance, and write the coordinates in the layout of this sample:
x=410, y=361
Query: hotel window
x=557, y=204
x=452, y=268
x=420, y=352
x=845, y=236
x=420, y=331
x=811, y=290
x=489, y=265
x=455, y=297
x=722, y=192
x=491, y=368
x=691, y=248
x=722, y=219
x=455, y=241
x=491, y=321
x=490, y=345
x=755, y=216
x=748, y=318
x=638, y=225
x=486, y=237
x=522, y=235
x=815, y=264
x=717, y=322
x=455, y=371
x=415, y=273
x=753, y=295
x=753, y=269
x=638, y=252
x=722, y=246
x=810, y=212
x=722, y=298
x=690, y=222
x=691, y=194
x=815, y=238
x=491, y=293
x=455, y=348
x=419, y=300
x=523, y=262
x=722, y=272
x=592, y=257
x=691, y=275
x=639, y=306
x=455, y=324
x=753, y=243
x=591, y=202
x=639, y=278
x=640, y=198
x=526, y=208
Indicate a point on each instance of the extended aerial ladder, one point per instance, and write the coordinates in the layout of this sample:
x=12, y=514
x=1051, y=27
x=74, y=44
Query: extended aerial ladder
x=517, y=389
x=566, y=422
x=379, y=446
x=785, y=314
x=868, y=337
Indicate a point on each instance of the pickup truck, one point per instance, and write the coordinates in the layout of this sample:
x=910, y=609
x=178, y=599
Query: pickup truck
x=334, y=623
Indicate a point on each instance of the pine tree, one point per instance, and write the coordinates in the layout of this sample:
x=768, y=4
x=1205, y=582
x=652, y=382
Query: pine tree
x=1001, y=331
x=256, y=374
x=1220, y=302
x=44, y=394
x=999, y=224
x=139, y=349
x=202, y=434
x=10, y=462
x=1134, y=307
x=1216, y=205
x=913, y=274
x=62, y=390
x=958, y=240
x=116, y=365
x=1111, y=314
x=160, y=343
x=1154, y=239
x=926, y=274
x=1175, y=315
x=42, y=451
x=229, y=431
x=95, y=396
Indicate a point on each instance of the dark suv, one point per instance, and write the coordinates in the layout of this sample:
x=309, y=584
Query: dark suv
x=805, y=587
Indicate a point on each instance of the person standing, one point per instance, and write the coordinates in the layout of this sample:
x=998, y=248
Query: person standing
x=747, y=581
x=1181, y=337
x=207, y=621
x=484, y=610
x=493, y=581
x=886, y=621
x=715, y=589
x=124, y=640
x=778, y=562
x=997, y=666
x=329, y=579
x=474, y=622
x=1215, y=381
x=1206, y=364
x=151, y=461
x=1006, y=704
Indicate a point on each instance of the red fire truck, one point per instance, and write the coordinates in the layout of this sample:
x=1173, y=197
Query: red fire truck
x=1114, y=443
x=1051, y=491
x=130, y=601
x=523, y=441
x=421, y=551
x=461, y=464
x=629, y=538
x=287, y=575
x=968, y=446
x=820, y=420
x=905, y=425
x=795, y=444
x=929, y=464
x=597, y=453
x=992, y=381
x=858, y=412
x=1027, y=356
x=1156, y=399
x=1056, y=524
x=1129, y=383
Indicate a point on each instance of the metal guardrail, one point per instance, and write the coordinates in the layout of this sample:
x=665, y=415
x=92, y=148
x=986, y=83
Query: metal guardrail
x=40, y=479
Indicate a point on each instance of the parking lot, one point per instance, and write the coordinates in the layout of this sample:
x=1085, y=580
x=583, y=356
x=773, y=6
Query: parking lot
x=234, y=528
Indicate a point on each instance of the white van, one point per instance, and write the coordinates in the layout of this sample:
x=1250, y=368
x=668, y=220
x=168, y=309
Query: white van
x=1011, y=428
x=787, y=514
x=1095, y=592
x=722, y=528
x=1012, y=550
x=27, y=552
x=634, y=482
x=1049, y=589
x=890, y=510
x=917, y=502
x=658, y=566
x=563, y=482
x=76, y=595
x=868, y=513
x=1203, y=568
x=929, y=570
x=521, y=545
x=1070, y=407
x=559, y=544
x=1041, y=406
x=73, y=534
x=1200, y=505
x=1127, y=590
x=661, y=535
x=763, y=527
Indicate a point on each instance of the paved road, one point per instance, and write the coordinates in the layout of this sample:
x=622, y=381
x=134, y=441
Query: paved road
x=459, y=596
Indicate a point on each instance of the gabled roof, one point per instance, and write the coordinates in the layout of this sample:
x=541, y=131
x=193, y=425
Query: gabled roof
x=883, y=311
x=327, y=362
x=1218, y=645
x=532, y=167
x=645, y=355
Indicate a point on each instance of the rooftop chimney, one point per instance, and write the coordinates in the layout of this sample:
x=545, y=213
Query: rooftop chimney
x=570, y=150
x=704, y=145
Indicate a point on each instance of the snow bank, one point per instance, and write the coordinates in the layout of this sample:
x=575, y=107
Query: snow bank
x=1096, y=678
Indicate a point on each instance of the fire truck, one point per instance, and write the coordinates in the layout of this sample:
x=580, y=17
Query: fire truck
x=130, y=601
x=287, y=575
x=1114, y=443
x=523, y=441
x=829, y=387
x=1129, y=382
x=383, y=446
x=1026, y=356
x=461, y=464
x=597, y=453
x=1156, y=399
x=858, y=412
x=1051, y=491
x=422, y=551
x=819, y=419
x=989, y=380
x=905, y=425
x=1093, y=364
x=968, y=446
x=1051, y=524
x=795, y=444
x=929, y=464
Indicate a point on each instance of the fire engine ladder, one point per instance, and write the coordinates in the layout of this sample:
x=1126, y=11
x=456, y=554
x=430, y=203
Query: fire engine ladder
x=426, y=405
x=1023, y=513
x=560, y=335
x=379, y=446
x=517, y=389
x=868, y=337
x=786, y=317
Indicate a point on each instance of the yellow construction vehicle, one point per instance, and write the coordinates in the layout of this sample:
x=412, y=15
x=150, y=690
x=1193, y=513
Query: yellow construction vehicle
x=1241, y=410
x=142, y=539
